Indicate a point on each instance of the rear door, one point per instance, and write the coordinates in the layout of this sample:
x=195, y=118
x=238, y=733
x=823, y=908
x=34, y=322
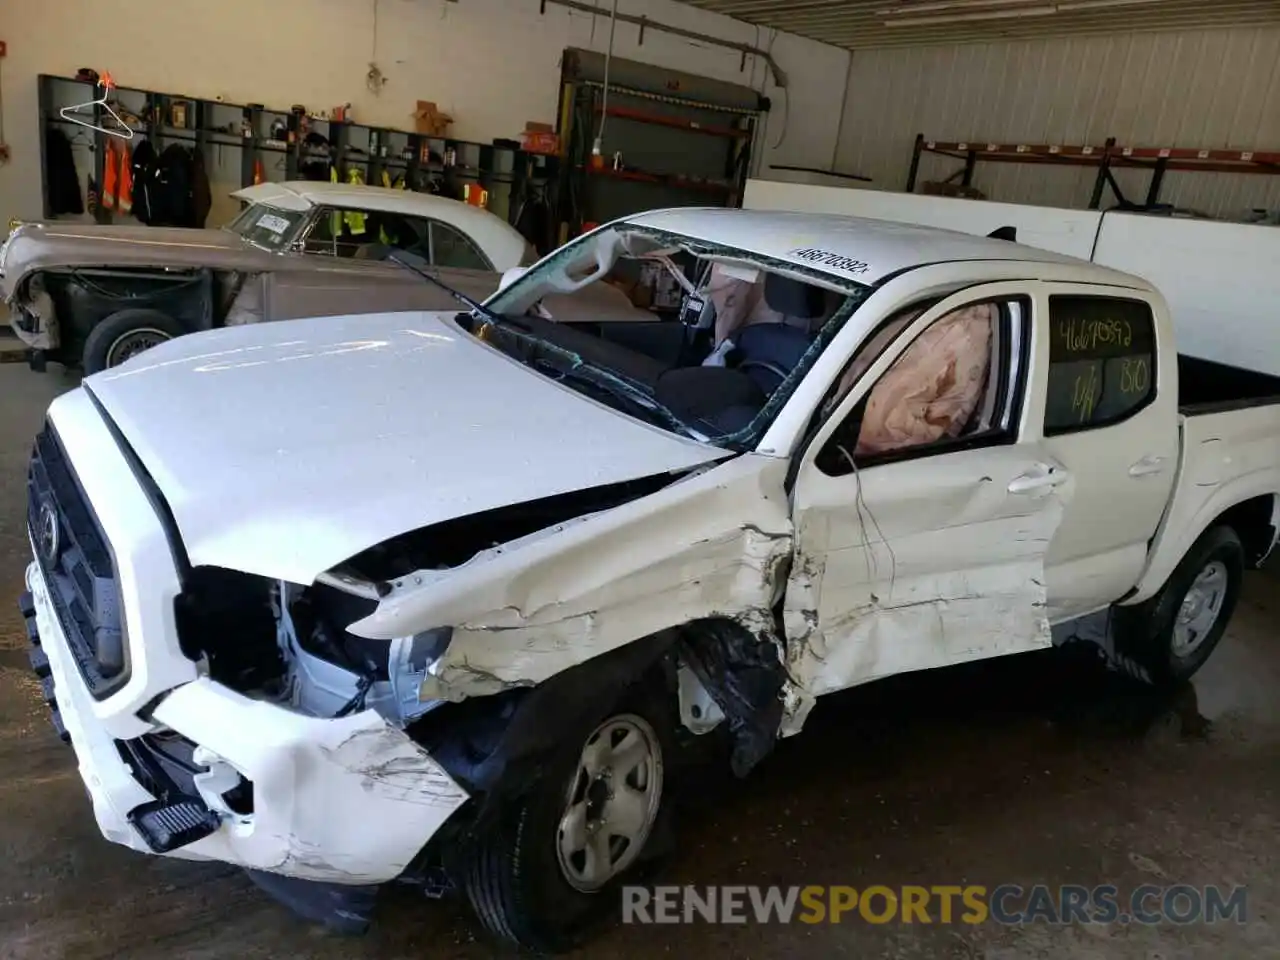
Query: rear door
x=1110, y=421
x=931, y=552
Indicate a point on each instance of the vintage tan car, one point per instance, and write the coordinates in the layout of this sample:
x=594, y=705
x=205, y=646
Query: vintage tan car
x=91, y=296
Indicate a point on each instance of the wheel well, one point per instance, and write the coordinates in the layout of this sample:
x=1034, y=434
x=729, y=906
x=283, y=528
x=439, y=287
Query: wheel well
x=1253, y=521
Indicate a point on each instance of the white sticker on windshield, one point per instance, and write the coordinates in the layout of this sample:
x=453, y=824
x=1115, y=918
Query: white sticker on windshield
x=269, y=221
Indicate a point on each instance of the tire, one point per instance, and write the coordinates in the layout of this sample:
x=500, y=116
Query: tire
x=125, y=334
x=520, y=887
x=1167, y=639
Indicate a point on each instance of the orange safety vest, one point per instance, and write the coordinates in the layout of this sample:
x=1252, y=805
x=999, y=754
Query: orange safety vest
x=117, y=178
x=475, y=195
x=259, y=175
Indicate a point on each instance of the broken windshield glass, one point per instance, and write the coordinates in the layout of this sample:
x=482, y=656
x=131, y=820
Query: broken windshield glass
x=704, y=339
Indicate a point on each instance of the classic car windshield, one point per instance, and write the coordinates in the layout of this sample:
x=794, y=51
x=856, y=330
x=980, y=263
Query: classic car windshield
x=700, y=338
x=267, y=226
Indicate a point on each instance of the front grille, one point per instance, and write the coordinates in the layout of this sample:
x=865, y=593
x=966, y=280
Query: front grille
x=77, y=567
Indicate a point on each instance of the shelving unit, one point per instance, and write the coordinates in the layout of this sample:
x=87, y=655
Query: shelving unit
x=670, y=139
x=1106, y=157
x=508, y=173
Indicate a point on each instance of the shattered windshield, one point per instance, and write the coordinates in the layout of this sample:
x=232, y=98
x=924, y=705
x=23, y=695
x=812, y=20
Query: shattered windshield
x=267, y=226
x=705, y=340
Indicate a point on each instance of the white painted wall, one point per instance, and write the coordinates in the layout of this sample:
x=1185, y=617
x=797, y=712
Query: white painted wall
x=1207, y=88
x=492, y=64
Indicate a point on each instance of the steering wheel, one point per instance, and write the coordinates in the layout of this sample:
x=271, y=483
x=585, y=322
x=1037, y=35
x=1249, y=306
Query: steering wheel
x=774, y=368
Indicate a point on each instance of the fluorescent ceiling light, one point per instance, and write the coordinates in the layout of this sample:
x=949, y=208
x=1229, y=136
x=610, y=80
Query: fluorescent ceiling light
x=953, y=6
x=1075, y=6
x=958, y=11
x=1011, y=14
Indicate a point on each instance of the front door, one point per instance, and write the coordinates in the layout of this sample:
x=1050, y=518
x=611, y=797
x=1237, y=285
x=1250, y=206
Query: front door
x=923, y=512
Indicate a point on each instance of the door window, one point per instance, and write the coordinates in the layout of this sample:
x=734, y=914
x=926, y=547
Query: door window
x=1102, y=362
x=366, y=234
x=450, y=248
x=957, y=386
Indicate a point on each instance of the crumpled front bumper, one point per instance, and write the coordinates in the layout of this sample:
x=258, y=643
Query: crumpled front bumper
x=349, y=801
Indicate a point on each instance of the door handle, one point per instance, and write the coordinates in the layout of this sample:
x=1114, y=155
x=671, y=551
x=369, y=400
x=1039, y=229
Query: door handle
x=1042, y=478
x=1147, y=466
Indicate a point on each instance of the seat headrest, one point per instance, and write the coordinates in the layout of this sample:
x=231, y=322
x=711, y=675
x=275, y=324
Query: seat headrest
x=794, y=298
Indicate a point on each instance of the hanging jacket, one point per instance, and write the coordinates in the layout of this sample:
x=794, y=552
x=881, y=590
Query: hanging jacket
x=355, y=220
x=117, y=178
x=61, y=182
x=201, y=192
x=170, y=188
x=143, y=166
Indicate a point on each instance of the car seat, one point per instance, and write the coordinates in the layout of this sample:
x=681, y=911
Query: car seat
x=768, y=352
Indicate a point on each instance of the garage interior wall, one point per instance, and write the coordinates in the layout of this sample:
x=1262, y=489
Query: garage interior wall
x=1200, y=89
x=491, y=64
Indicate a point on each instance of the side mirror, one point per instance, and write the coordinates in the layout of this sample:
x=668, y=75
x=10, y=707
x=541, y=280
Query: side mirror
x=511, y=276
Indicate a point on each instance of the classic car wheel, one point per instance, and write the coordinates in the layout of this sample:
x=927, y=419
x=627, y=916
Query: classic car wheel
x=126, y=334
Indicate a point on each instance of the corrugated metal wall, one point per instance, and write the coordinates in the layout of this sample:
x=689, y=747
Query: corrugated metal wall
x=1210, y=88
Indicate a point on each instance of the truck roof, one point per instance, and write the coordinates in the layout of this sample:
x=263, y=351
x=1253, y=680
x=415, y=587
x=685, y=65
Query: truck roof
x=855, y=249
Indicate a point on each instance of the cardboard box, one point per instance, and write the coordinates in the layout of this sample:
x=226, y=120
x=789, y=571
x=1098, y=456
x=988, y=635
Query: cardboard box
x=427, y=119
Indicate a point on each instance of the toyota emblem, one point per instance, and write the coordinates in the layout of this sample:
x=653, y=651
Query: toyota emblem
x=49, y=536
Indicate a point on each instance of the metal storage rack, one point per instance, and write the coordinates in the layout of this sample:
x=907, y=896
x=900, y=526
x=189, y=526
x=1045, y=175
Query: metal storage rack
x=506, y=171
x=1105, y=157
x=680, y=139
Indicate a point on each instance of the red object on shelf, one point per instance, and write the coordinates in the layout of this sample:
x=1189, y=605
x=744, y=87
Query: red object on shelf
x=539, y=141
x=676, y=123
x=4, y=48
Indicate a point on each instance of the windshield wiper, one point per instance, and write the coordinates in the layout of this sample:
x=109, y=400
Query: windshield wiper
x=575, y=369
x=620, y=388
x=411, y=261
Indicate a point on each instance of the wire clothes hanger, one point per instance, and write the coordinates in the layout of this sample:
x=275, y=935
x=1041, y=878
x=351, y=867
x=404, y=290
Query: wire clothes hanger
x=125, y=132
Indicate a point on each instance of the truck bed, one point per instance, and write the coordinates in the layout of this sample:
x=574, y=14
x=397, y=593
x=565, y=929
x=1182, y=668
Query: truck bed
x=1205, y=386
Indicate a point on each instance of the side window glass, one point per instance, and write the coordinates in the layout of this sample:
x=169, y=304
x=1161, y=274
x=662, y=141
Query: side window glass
x=342, y=232
x=1102, y=358
x=955, y=383
x=449, y=248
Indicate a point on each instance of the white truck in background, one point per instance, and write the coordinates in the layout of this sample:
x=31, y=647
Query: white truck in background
x=1220, y=278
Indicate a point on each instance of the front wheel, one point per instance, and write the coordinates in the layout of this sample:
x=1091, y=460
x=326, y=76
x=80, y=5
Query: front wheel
x=554, y=864
x=126, y=334
x=1172, y=635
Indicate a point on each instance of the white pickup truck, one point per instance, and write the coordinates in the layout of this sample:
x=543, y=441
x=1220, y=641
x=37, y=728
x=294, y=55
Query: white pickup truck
x=437, y=596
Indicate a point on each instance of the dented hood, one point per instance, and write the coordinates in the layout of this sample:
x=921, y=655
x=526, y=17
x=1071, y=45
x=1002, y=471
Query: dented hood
x=283, y=449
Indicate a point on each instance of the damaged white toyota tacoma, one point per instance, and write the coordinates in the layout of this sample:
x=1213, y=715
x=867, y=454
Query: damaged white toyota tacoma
x=442, y=598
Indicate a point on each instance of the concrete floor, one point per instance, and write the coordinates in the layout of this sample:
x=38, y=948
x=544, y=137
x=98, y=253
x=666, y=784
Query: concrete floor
x=1025, y=771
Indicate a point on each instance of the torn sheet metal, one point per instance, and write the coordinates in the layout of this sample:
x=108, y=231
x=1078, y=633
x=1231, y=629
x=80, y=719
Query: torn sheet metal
x=913, y=566
x=744, y=674
x=712, y=545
